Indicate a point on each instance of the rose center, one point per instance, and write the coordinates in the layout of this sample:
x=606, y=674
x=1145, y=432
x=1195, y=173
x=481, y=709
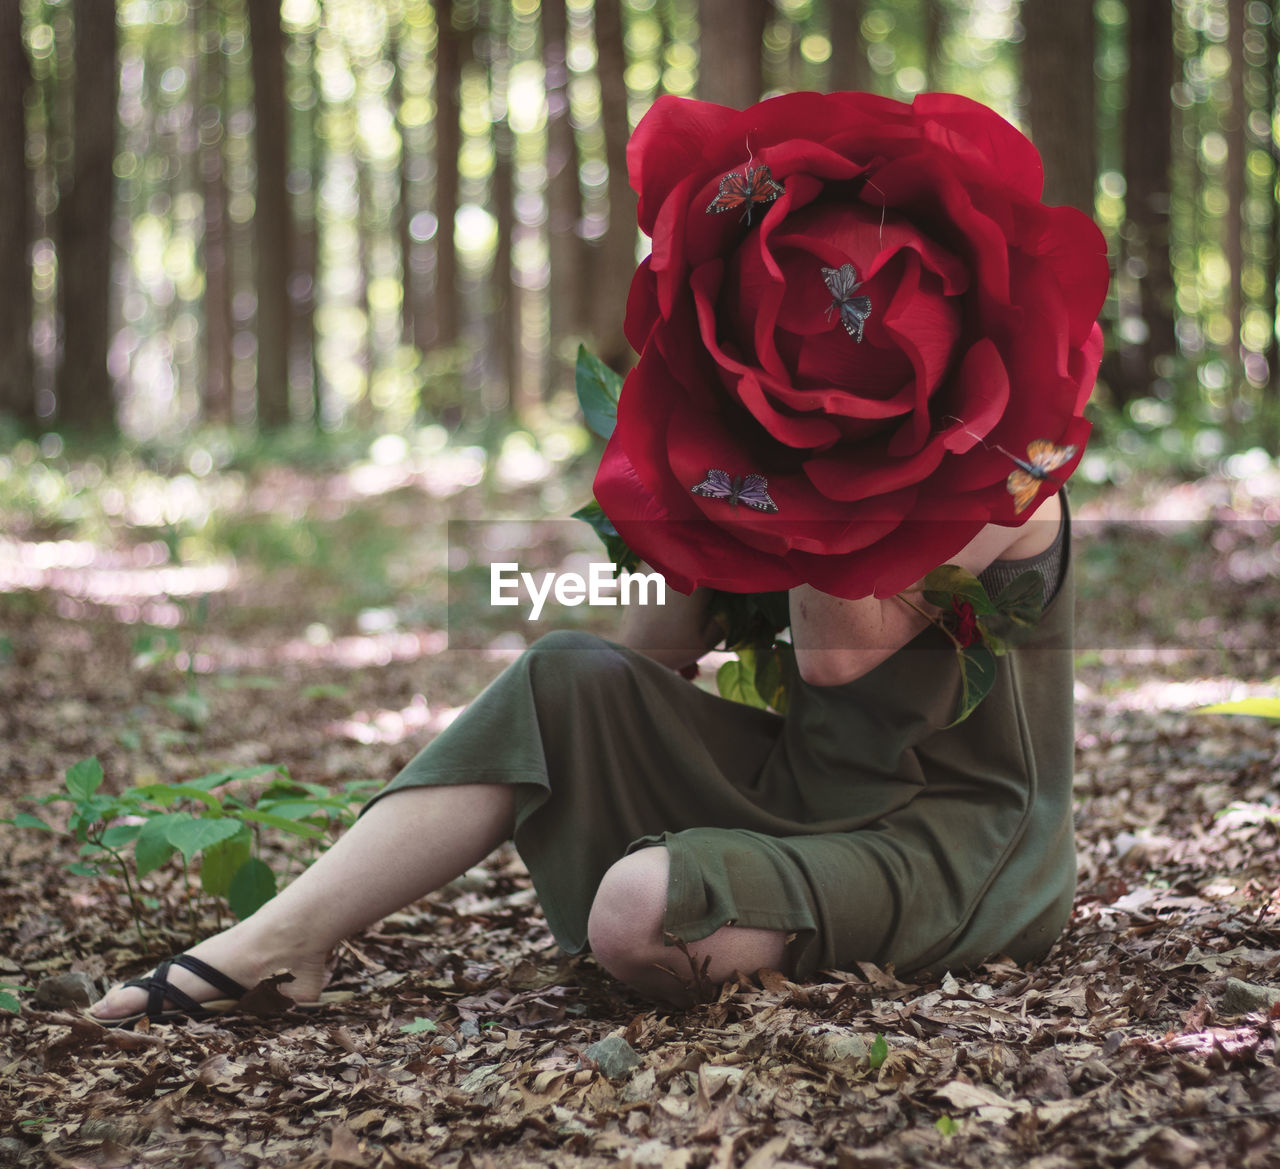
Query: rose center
x=809, y=341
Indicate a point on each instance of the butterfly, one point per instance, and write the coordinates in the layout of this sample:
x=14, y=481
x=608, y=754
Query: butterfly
x=754, y=185
x=749, y=489
x=1042, y=457
x=843, y=282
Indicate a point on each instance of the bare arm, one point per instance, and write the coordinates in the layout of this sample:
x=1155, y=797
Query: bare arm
x=837, y=640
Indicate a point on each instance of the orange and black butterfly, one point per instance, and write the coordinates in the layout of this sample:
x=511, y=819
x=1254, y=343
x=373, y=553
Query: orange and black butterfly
x=753, y=185
x=1042, y=457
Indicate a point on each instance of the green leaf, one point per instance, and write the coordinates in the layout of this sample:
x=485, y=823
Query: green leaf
x=736, y=680
x=299, y=809
x=152, y=848
x=84, y=778
x=9, y=1002
x=218, y=778
x=118, y=835
x=419, y=1025
x=326, y=690
x=1260, y=707
x=192, y=836
x=749, y=618
x=80, y=869
x=950, y=580
x=168, y=794
x=220, y=862
x=879, y=1052
x=27, y=820
x=1022, y=599
x=251, y=888
x=775, y=669
x=598, y=389
x=947, y=1126
x=615, y=546
x=192, y=707
x=297, y=827
x=977, y=676
x=88, y=812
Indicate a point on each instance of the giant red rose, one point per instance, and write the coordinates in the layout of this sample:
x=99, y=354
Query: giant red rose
x=856, y=323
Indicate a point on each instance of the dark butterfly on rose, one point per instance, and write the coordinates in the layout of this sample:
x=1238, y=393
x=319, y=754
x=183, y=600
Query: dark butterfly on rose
x=749, y=489
x=842, y=283
x=1024, y=481
x=753, y=185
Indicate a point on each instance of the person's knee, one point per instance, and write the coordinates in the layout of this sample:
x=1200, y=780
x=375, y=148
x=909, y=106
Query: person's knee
x=624, y=929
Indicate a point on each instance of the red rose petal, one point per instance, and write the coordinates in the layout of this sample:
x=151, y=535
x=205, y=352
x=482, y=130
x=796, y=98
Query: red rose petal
x=643, y=312
x=669, y=143
x=979, y=136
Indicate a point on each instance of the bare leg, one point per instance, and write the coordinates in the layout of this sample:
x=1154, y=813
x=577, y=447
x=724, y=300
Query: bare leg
x=408, y=844
x=625, y=929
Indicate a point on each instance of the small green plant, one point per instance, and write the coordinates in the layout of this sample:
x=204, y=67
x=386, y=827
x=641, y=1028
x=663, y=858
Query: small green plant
x=879, y=1052
x=8, y=1000
x=155, y=647
x=158, y=822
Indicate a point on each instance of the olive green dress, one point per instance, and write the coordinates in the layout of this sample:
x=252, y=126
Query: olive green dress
x=857, y=823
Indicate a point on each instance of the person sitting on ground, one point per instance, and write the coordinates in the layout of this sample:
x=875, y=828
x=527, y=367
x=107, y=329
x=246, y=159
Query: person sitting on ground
x=860, y=827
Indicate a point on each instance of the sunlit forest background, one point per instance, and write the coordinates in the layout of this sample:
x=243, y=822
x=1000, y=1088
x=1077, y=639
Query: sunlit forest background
x=294, y=291
x=333, y=214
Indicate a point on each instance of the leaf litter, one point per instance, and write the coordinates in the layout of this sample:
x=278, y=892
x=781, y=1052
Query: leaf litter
x=470, y=1040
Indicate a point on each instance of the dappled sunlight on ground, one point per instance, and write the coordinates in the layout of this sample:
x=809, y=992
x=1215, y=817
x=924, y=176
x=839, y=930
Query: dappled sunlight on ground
x=356, y=652
x=135, y=582
x=394, y=726
x=1164, y=694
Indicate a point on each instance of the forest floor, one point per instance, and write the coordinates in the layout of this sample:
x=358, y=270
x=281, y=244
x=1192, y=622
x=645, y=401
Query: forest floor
x=174, y=624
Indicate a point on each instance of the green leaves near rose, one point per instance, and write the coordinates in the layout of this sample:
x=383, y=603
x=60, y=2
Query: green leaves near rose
x=980, y=627
x=218, y=834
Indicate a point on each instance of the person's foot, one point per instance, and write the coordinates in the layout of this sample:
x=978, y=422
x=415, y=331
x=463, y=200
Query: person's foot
x=238, y=955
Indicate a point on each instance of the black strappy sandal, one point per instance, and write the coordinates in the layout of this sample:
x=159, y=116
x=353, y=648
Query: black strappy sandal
x=182, y=1006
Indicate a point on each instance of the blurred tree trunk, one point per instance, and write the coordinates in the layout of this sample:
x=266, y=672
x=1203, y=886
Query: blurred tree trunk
x=1271, y=284
x=273, y=227
x=84, y=385
x=567, y=251
x=507, y=395
x=1058, y=67
x=731, y=41
x=615, y=255
x=410, y=324
x=1236, y=121
x=448, y=145
x=935, y=29
x=364, y=413
x=17, y=369
x=848, y=68
x=504, y=394
x=305, y=361
x=211, y=95
x=1148, y=161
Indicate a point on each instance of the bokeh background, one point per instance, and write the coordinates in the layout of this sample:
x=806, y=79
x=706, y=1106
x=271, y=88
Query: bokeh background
x=292, y=287
x=378, y=215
